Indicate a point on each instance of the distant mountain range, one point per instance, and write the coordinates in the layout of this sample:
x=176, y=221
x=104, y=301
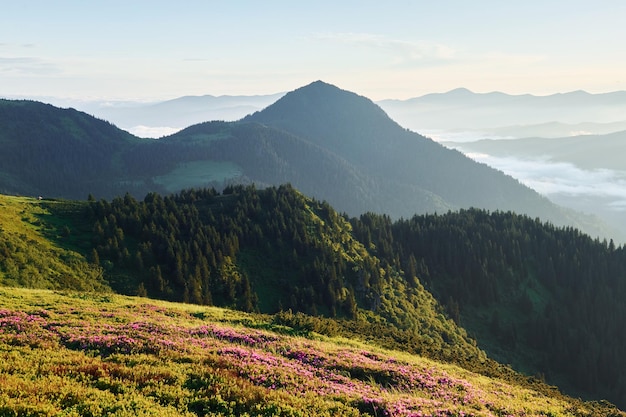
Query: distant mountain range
x=329, y=143
x=453, y=115
x=161, y=118
x=585, y=151
x=498, y=115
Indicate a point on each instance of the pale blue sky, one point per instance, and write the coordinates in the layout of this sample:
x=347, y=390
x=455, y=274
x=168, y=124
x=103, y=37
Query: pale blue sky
x=153, y=50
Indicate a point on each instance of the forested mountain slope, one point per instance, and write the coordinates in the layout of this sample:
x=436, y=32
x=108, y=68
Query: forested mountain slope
x=399, y=160
x=59, y=152
x=263, y=250
x=544, y=299
x=268, y=156
x=547, y=300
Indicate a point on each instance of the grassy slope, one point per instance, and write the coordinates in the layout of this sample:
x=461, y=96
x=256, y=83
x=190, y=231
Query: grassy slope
x=192, y=174
x=92, y=354
x=30, y=251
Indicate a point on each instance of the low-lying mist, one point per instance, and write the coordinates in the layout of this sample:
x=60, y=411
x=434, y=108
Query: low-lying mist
x=601, y=192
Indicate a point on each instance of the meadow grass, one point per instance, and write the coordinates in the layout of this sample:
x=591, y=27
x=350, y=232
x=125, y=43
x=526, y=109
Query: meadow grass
x=190, y=174
x=37, y=249
x=87, y=354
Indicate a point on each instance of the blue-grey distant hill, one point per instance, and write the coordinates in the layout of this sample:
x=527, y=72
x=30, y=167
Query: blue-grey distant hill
x=180, y=112
x=455, y=113
x=500, y=115
x=590, y=170
x=584, y=151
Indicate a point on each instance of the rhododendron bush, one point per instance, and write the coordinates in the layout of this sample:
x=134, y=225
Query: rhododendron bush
x=81, y=355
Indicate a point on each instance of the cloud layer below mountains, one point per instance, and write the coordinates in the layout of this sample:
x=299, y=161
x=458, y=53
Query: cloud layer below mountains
x=552, y=178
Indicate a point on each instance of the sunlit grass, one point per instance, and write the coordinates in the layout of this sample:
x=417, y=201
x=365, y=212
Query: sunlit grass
x=73, y=353
x=17, y=215
x=30, y=254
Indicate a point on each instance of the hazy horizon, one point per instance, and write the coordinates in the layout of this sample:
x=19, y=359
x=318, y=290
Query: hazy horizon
x=157, y=50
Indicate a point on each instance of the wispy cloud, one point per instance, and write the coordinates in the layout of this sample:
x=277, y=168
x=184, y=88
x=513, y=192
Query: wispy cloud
x=402, y=51
x=152, y=131
x=17, y=46
x=26, y=66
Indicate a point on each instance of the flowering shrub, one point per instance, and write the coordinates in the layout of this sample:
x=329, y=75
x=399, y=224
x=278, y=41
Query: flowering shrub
x=80, y=357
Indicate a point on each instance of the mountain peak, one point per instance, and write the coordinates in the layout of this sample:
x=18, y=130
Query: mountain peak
x=330, y=117
x=322, y=104
x=461, y=91
x=320, y=90
x=319, y=83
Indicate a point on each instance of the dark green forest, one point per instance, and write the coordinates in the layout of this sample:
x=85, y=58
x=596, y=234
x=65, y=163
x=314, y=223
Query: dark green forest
x=58, y=152
x=265, y=250
x=545, y=299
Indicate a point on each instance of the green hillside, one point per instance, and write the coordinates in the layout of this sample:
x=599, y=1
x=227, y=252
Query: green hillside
x=543, y=299
x=264, y=250
x=79, y=354
x=37, y=250
x=547, y=300
x=269, y=156
x=60, y=152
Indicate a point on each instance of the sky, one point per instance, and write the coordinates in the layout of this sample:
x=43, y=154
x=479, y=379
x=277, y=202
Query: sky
x=156, y=50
